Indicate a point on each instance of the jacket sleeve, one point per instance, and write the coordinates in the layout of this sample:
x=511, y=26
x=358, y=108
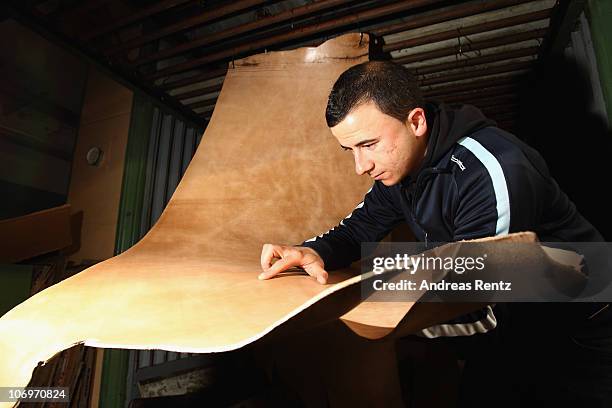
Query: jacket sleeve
x=370, y=221
x=518, y=194
x=477, y=214
x=482, y=201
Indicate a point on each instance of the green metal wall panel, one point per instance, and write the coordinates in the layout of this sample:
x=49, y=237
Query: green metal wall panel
x=15, y=283
x=600, y=19
x=115, y=367
x=160, y=146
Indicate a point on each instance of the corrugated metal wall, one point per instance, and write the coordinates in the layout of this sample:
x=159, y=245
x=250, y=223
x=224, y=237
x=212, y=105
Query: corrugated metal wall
x=172, y=144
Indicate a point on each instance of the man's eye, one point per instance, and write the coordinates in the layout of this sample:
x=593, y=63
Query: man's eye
x=370, y=146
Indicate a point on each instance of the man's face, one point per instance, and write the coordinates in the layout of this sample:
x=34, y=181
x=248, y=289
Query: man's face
x=383, y=147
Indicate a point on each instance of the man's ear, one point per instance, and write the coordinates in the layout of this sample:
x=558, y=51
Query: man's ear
x=417, y=122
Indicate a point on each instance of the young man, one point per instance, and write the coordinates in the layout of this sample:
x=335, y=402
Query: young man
x=445, y=170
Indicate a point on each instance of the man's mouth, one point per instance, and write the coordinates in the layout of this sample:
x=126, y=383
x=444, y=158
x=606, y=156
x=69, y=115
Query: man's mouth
x=379, y=176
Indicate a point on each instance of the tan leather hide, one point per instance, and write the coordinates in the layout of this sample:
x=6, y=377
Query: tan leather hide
x=267, y=170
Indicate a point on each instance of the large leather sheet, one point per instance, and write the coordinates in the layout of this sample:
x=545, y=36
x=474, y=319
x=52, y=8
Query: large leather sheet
x=267, y=170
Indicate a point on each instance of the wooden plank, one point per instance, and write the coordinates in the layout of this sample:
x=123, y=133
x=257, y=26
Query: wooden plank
x=35, y=234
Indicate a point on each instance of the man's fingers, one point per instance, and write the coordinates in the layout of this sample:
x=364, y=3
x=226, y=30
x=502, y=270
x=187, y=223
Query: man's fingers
x=289, y=257
x=279, y=266
x=267, y=254
x=316, y=271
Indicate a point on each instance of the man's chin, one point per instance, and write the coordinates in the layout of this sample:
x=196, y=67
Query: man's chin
x=389, y=181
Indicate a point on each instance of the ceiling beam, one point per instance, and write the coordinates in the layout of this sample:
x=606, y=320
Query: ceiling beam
x=186, y=24
x=469, y=30
x=516, y=66
x=499, y=99
x=309, y=30
x=207, y=39
x=472, y=46
x=211, y=73
x=475, y=94
x=134, y=17
x=469, y=62
x=197, y=92
x=446, y=14
x=210, y=101
x=473, y=85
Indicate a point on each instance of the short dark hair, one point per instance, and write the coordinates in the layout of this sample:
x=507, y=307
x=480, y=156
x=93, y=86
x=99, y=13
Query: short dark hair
x=391, y=86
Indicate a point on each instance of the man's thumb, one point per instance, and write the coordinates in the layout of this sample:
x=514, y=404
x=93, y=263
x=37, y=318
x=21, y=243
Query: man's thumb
x=319, y=273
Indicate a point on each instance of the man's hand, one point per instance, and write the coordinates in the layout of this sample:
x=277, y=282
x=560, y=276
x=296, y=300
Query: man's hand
x=290, y=256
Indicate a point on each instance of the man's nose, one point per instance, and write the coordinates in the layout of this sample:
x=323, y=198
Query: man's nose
x=362, y=164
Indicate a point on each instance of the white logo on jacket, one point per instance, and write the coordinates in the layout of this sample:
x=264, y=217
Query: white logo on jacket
x=459, y=163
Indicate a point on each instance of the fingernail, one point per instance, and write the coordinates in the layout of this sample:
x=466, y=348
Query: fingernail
x=261, y=276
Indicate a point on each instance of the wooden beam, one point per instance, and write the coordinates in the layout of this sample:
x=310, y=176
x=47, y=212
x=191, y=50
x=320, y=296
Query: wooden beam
x=210, y=101
x=306, y=31
x=291, y=14
x=134, y=17
x=477, y=93
x=186, y=24
x=473, y=46
x=443, y=78
x=492, y=101
x=446, y=14
x=35, y=234
x=472, y=85
x=469, y=30
x=197, y=92
x=468, y=62
x=207, y=74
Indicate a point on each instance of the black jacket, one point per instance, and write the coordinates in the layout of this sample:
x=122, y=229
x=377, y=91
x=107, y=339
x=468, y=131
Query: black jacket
x=476, y=181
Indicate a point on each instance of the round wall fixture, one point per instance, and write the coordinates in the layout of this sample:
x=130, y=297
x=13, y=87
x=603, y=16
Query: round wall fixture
x=94, y=155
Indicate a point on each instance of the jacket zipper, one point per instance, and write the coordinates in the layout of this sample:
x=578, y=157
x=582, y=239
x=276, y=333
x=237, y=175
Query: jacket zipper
x=412, y=198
